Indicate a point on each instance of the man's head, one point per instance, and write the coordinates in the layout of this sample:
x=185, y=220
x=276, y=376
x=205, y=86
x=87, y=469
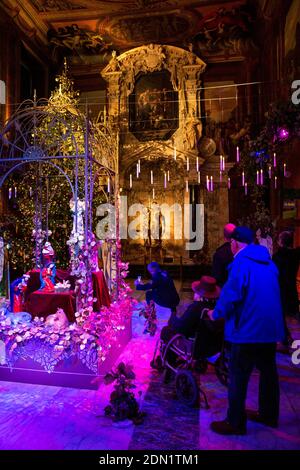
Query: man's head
x=240, y=238
x=285, y=239
x=153, y=268
x=228, y=230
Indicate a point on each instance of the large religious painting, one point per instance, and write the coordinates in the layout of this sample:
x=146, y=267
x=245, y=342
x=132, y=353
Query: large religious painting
x=153, y=107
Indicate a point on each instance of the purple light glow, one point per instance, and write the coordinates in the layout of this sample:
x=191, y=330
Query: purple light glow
x=283, y=133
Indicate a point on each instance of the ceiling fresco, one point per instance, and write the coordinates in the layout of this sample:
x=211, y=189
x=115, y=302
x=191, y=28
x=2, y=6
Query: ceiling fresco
x=84, y=28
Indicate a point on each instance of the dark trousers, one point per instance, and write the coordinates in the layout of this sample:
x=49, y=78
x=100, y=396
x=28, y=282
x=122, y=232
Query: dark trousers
x=243, y=358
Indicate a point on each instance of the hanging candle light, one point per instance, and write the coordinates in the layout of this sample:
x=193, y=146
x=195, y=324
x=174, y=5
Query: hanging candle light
x=270, y=171
x=108, y=184
x=165, y=180
x=229, y=182
x=130, y=180
x=199, y=177
x=246, y=188
x=30, y=191
x=211, y=183
x=139, y=165
x=168, y=173
x=175, y=153
x=16, y=192
x=221, y=163
x=274, y=160
x=153, y=193
x=137, y=170
x=261, y=177
x=9, y=193
x=237, y=154
x=207, y=183
x=187, y=164
x=243, y=178
x=275, y=182
x=284, y=170
x=187, y=186
x=151, y=176
x=197, y=164
x=257, y=178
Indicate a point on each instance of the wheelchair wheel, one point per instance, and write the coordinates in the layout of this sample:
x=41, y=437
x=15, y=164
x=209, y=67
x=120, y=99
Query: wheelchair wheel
x=187, y=388
x=221, y=369
x=156, y=363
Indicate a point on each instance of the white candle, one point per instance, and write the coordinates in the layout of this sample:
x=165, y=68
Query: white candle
x=211, y=183
x=130, y=180
x=237, y=154
x=165, y=180
x=284, y=169
x=275, y=182
x=197, y=164
x=257, y=177
x=187, y=186
x=207, y=183
x=168, y=175
x=9, y=193
x=153, y=193
x=151, y=176
x=187, y=164
x=30, y=191
x=274, y=160
x=270, y=171
x=108, y=185
x=199, y=177
x=261, y=176
x=243, y=178
x=175, y=154
x=137, y=170
x=16, y=192
x=139, y=165
x=221, y=163
x=229, y=182
x=246, y=188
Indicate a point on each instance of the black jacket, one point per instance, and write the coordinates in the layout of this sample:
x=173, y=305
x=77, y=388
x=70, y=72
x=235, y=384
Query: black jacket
x=189, y=322
x=164, y=292
x=221, y=260
x=287, y=261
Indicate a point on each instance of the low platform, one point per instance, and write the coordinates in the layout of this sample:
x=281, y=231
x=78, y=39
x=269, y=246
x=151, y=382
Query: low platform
x=68, y=373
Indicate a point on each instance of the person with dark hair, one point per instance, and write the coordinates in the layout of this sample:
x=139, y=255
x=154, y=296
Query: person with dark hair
x=251, y=306
x=223, y=257
x=160, y=288
x=287, y=260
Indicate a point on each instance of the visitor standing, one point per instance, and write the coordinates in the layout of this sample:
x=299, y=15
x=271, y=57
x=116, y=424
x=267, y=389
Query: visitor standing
x=251, y=306
x=223, y=257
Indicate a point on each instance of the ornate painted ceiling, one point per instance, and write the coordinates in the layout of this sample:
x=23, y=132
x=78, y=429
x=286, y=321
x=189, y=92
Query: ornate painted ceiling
x=86, y=28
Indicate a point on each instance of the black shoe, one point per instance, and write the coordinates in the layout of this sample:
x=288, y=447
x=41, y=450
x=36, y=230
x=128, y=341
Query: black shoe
x=225, y=428
x=254, y=416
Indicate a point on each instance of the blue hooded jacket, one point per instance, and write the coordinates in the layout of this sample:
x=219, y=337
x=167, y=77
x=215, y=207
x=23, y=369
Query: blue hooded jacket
x=250, y=299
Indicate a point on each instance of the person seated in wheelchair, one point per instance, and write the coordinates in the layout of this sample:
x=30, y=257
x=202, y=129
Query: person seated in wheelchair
x=206, y=293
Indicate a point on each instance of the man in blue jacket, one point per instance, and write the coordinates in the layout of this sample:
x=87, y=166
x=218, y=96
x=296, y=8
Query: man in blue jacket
x=251, y=306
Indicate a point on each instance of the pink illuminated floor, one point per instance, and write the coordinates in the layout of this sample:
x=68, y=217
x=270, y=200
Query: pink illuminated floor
x=41, y=417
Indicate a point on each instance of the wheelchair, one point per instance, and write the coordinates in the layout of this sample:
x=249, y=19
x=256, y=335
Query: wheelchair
x=187, y=358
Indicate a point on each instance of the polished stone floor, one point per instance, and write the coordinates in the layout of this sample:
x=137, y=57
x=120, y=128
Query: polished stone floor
x=42, y=417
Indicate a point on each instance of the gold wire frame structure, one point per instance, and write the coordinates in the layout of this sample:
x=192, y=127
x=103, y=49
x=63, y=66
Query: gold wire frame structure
x=54, y=133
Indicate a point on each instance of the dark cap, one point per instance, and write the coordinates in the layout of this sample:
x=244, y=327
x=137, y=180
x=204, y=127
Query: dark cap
x=243, y=235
